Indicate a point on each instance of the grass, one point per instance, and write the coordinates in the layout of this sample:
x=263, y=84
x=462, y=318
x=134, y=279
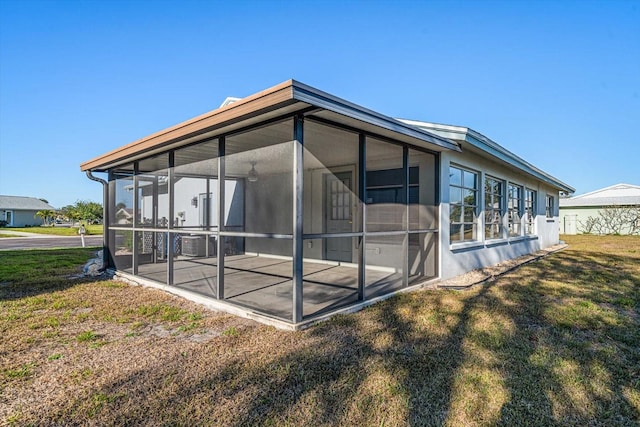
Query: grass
x=554, y=342
x=30, y=272
x=19, y=372
x=86, y=336
x=58, y=231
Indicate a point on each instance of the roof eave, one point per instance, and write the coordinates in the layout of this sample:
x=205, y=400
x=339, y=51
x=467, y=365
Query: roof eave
x=288, y=93
x=337, y=105
x=481, y=142
x=505, y=155
x=277, y=95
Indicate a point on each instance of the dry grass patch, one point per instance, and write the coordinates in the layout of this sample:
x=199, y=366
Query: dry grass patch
x=555, y=342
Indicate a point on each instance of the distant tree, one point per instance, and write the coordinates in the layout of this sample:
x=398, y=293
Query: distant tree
x=46, y=214
x=66, y=212
x=87, y=211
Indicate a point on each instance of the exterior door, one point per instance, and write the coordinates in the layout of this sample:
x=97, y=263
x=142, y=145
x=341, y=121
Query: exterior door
x=338, y=215
x=570, y=224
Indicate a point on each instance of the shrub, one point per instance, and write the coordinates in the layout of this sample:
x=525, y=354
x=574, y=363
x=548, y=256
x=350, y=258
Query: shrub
x=615, y=220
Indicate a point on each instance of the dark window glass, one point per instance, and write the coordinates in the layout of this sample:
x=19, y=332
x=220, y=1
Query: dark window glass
x=550, y=206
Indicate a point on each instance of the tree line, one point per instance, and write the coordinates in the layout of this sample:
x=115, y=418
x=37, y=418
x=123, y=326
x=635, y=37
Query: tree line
x=82, y=210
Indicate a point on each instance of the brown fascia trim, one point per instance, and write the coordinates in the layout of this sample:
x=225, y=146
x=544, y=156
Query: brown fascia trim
x=278, y=94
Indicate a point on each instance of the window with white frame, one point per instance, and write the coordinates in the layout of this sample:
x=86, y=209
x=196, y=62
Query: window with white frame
x=550, y=206
x=493, y=195
x=529, y=211
x=463, y=204
x=514, y=209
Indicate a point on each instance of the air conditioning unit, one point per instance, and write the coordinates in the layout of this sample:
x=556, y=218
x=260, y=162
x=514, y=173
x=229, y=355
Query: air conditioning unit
x=193, y=245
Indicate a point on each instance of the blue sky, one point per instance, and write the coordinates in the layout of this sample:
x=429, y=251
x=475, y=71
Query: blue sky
x=557, y=83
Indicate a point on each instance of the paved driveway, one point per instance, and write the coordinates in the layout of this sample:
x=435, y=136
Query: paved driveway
x=41, y=241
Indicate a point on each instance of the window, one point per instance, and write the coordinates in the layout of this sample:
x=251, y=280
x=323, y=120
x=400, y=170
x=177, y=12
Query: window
x=386, y=189
x=463, y=201
x=550, y=206
x=339, y=199
x=385, y=186
x=529, y=211
x=492, y=208
x=514, y=205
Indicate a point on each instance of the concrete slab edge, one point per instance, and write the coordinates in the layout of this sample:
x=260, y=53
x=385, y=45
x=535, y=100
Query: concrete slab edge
x=235, y=310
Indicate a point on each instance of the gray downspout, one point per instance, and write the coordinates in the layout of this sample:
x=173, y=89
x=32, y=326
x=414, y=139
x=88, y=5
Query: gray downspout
x=105, y=219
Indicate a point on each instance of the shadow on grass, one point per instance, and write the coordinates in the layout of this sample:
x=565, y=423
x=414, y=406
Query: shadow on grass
x=576, y=361
x=516, y=351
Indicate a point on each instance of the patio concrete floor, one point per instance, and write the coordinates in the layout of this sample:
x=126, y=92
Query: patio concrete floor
x=264, y=283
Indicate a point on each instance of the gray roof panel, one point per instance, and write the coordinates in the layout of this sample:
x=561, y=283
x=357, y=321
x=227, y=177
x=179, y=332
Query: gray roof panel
x=615, y=195
x=19, y=203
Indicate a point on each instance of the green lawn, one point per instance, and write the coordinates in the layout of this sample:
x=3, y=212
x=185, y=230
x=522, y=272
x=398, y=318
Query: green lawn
x=59, y=231
x=27, y=272
x=554, y=342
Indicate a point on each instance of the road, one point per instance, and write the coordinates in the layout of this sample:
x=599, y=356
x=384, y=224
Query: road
x=48, y=242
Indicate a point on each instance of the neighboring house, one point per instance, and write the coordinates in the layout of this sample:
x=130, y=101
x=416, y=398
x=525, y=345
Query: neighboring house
x=124, y=216
x=292, y=204
x=20, y=211
x=610, y=210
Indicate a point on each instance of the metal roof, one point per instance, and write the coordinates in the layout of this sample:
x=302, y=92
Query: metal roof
x=615, y=195
x=19, y=203
x=491, y=148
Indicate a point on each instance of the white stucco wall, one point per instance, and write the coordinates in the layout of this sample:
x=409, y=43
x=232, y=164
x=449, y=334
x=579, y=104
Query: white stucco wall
x=571, y=220
x=22, y=218
x=269, y=209
x=188, y=215
x=459, y=258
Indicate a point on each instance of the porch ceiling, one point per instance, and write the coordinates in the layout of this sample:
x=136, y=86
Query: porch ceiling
x=283, y=99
